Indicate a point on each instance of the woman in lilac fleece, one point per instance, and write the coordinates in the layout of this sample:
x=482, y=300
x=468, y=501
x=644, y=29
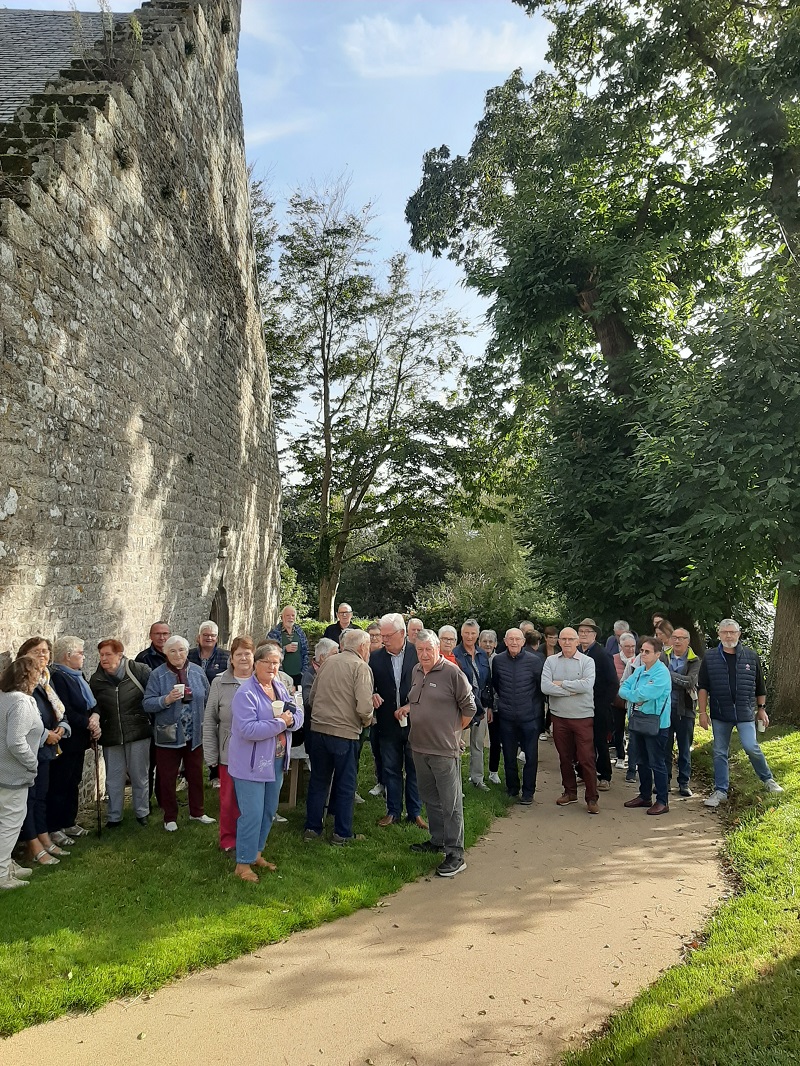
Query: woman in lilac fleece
x=258, y=753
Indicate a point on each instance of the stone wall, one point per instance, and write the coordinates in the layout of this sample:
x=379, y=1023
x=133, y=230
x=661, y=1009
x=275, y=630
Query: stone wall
x=138, y=469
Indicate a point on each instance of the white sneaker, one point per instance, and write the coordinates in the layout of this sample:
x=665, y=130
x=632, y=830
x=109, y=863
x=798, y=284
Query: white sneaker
x=716, y=798
x=171, y=827
x=622, y=764
x=494, y=778
x=279, y=818
x=378, y=790
x=204, y=819
x=544, y=736
x=772, y=785
x=521, y=757
x=13, y=882
x=15, y=870
x=358, y=799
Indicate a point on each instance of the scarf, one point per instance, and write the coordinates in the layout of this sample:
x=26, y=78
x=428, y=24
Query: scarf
x=182, y=675
x=83, y=685
x=58, y=707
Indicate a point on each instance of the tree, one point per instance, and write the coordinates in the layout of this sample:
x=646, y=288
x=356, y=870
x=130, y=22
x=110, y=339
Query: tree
x=372, y=445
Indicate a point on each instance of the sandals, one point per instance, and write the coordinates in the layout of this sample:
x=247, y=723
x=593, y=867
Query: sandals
x=60, y=837
x=245, y=873
x=76, y=831
x=261, y=861
x=54, y=849
x=44, y=859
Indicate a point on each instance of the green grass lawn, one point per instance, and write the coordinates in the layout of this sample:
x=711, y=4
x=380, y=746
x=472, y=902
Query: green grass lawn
x=126, y=913
x=736, y=1000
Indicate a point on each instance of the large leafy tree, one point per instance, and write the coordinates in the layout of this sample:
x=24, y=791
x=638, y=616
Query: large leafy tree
x=609, y=209
x=359, y=356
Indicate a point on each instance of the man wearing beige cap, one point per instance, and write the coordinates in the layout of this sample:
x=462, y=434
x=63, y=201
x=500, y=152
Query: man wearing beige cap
x=568, y=679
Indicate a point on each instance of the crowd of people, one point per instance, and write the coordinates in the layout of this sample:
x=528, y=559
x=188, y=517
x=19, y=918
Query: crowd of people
x=423, y=698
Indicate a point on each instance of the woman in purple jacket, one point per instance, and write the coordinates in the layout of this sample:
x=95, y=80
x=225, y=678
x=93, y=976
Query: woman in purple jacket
x=262, y=718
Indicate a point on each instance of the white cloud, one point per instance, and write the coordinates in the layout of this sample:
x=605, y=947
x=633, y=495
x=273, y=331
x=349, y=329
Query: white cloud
x=265, y=132
x=378, y=47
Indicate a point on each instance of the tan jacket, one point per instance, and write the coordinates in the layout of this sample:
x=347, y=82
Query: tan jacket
x=342, y=696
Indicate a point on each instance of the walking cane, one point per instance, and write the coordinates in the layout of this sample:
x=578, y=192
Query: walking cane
x=97, y=786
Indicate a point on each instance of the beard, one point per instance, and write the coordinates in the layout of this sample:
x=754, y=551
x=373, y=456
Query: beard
x=729, y=645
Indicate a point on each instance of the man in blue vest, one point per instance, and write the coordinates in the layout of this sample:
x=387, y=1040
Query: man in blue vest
x=732, y=682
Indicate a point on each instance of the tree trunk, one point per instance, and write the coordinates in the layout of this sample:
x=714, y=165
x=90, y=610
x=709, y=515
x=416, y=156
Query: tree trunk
x=784, y=673
x=615, y=340
x=328, y=586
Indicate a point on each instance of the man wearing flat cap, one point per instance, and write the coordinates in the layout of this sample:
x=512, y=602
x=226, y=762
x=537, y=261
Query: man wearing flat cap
x=606, y=687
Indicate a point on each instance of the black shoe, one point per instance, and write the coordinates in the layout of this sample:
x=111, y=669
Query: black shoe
x=113, y=825
x=513, y=795
x=685, y=791
x=451, y=866
x=311, y=834
x=427, y=846
x=144, y=820
x=526, y=800
x=341, y=841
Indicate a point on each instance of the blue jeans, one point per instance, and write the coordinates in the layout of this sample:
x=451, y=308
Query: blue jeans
x=397, y=757
x=525, y=735
x=652, y=753
x=258, y=802
x=333, y=768
x=723, y=731
x=682, y=730
x=633, y=756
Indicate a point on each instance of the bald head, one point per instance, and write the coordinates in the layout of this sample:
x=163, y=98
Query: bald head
x=514, y=641
x=568, y=639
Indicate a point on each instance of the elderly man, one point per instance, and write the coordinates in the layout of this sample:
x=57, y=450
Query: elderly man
x=294, y=644
x=341, y=697
x=392, y=667
x=732, y=682
x=324, y=649
x=208, y=655
x=440, y=706
x=684, y=669
x=475, y=663
x=612, y=644
x=605, y=689
x=516, y=680
x=154, y=656
x=415, y=627
x=344, y=621
x=568, y=679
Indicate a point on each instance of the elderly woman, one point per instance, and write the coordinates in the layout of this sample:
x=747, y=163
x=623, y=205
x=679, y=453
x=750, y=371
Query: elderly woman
x=488, y=641
x=208, y=655
x=118, y=684
x=448, y=638
x=649, y=690
x=66, y=772
x=176, y=698
x=41, y=848
x=263, y=716
x=21, y=734
x=217, y=733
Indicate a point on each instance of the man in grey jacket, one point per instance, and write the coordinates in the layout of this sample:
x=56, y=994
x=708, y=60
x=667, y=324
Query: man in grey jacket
x=341, y=697
x=568, y=679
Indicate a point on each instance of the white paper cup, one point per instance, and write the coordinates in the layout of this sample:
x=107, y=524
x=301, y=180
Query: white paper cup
x=762, y=726
x=277, y=707
x=181, y=690
x=403, y=721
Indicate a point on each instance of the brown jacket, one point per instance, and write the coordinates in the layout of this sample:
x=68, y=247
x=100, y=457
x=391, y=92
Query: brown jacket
x=342, y=696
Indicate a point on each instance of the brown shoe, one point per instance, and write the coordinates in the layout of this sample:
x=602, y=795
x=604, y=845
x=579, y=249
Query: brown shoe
x=420, y=821
x=388, y=819
x=245, y=873
x=565, y=798
x=659, y=808
x=637, y=801
x=592, y=807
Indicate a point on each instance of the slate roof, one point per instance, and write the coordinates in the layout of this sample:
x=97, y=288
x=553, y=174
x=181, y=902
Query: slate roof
x=35, y=46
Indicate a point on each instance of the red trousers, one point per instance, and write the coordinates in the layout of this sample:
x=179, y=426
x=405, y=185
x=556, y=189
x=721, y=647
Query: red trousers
x=168, y=763
x=574, y=741
x=228, y=810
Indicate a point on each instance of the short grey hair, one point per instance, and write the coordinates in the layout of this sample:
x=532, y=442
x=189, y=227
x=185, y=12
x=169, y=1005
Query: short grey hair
x=728, y=622
x=324, y=648
x=65, y=646
x=174, y=641
x=268, y=647
x=427, y=636
x=488, y=633
x=416, y=620
x=627, y=637
x=355, y=640
x=212, y=627
x=473, y=623
x=445, y=630
x=621, y=626
x=396, y=621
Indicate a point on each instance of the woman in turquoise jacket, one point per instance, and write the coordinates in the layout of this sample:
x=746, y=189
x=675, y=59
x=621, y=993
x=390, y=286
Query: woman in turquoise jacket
x=649, y=690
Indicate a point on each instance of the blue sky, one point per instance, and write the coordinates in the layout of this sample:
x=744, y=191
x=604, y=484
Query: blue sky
x=366, y=87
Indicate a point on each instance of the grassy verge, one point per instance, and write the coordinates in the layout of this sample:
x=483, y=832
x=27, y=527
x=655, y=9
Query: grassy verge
x=127, y=913
x=736, y=1000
